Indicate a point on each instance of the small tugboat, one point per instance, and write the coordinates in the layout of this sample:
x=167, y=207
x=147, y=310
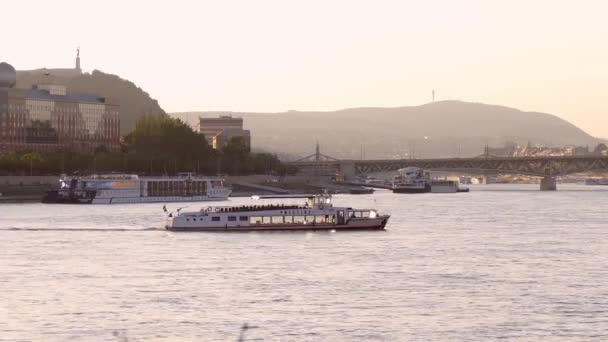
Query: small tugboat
x=317, y=213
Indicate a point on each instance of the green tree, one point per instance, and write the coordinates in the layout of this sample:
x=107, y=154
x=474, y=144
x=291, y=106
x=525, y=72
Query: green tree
x=235, y=156
x=167, y=145
x=157, y=145
x=30, y=160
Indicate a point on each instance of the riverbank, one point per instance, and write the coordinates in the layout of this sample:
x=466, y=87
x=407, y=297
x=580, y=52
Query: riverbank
x=20, y=199
x=24, y=189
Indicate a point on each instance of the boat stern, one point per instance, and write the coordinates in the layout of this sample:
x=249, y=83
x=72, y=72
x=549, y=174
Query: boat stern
x=169, y=222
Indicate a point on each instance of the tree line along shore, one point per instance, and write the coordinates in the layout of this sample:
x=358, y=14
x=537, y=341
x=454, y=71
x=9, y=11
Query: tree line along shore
x=159, y=145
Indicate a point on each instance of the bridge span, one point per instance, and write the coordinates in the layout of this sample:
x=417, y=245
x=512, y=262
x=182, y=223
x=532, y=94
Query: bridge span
x=546, y=167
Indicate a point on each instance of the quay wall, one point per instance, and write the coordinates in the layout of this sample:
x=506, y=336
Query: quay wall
x=28, y=180
x=15, y=189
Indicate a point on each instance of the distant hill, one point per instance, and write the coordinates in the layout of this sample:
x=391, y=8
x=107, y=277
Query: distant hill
x=134, y=102
x=440, y=129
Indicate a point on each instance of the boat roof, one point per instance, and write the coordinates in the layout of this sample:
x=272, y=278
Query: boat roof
x=118, y=176
x=409, y=168
x=283, y=196
x=110, y=176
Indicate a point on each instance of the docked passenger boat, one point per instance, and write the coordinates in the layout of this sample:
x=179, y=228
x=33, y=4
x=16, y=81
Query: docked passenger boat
x=411, y=180
x=317, y=213
x=113, y=188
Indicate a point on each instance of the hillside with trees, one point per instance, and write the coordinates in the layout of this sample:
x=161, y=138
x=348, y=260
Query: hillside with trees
x=134, y=102
x=440, y=129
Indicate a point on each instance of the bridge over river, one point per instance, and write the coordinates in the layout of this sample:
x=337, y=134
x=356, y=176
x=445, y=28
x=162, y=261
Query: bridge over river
x=545, y=167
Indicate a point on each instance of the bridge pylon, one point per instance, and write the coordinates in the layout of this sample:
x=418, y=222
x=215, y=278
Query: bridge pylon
x=548, y=182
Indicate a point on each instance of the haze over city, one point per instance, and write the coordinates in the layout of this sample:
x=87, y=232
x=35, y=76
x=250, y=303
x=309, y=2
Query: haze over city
x=271, y=170
x=547, y=56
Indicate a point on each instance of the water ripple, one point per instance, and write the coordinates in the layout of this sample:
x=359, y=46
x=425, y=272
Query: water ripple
x=487, y=265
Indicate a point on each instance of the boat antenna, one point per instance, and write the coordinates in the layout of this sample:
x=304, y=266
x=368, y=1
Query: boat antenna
x=244, y=328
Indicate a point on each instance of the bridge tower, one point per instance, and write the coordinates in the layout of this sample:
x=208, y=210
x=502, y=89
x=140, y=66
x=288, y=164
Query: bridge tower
x=548, y=183
x=318, y=164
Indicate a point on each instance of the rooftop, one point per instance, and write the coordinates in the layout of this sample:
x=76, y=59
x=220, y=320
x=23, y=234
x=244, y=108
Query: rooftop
x=39, y=94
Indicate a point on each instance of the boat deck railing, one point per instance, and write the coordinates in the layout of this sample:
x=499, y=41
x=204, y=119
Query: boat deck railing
x=245, y=208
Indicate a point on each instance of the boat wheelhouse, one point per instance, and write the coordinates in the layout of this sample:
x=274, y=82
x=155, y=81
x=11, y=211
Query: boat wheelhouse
x=123, y=188
x=318, y=213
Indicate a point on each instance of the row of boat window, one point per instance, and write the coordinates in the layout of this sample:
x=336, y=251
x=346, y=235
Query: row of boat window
x=320, y=219
x=309, y=219
x=217, y=218
x=176, y=188
x=300, y=219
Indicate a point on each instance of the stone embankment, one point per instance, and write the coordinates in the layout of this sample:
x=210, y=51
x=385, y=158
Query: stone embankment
x=20, y=189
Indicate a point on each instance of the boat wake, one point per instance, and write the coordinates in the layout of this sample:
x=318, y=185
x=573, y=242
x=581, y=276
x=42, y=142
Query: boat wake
x=82, y=229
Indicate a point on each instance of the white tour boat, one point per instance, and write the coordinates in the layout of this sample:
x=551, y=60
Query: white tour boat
x=317, y=213
x=113, y=188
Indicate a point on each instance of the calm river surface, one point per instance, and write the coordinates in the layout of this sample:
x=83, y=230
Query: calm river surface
x=501, y=262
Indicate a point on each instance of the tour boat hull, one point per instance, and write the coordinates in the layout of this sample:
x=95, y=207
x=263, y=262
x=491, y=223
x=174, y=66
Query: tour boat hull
x=378, y=223
x=318, y=213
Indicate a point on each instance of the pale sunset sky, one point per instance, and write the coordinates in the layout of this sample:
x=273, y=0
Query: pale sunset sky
x=537, y=55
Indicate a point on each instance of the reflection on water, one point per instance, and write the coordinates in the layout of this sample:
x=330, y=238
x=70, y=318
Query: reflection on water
x=477, y=266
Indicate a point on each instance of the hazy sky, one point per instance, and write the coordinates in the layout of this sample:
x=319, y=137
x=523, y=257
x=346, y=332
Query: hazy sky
x=256, y=55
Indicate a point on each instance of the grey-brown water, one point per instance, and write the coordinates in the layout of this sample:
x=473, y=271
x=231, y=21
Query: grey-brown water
x=480, y=266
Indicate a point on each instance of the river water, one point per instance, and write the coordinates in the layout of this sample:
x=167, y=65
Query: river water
x=501, y=262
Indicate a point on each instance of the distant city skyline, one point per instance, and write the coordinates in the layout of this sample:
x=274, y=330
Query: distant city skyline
x=546, y=56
